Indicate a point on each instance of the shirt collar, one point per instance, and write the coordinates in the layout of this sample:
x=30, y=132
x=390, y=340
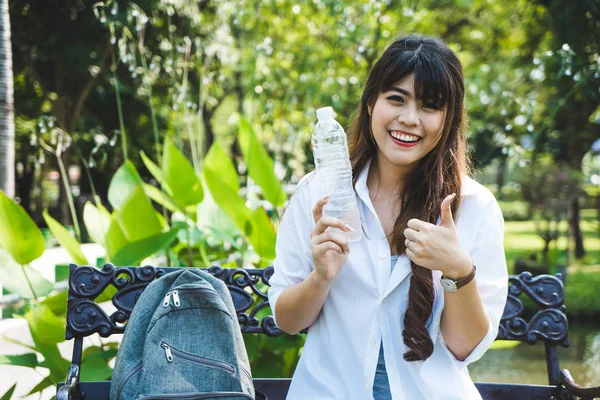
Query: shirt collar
x=361, y=183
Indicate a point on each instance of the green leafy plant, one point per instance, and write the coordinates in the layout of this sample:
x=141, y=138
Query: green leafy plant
x=22, y=242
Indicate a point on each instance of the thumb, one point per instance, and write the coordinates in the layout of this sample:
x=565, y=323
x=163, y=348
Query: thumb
x=446, y=212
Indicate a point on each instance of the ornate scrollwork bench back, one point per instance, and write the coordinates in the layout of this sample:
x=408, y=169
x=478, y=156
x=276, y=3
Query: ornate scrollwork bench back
x=85, y=316
x=248, y=288
x=549, y=324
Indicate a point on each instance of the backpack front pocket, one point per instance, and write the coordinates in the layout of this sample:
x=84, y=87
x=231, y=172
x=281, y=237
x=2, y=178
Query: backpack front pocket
x=171, y=352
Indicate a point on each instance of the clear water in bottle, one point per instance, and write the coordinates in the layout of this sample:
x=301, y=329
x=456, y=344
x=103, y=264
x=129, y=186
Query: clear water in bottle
x=332, y=161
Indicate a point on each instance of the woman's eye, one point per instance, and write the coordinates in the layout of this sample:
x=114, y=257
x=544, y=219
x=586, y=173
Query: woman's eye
x=431, y=106
x=396, y=98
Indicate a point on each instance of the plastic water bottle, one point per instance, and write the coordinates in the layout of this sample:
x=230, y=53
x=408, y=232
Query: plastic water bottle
x=332, y=161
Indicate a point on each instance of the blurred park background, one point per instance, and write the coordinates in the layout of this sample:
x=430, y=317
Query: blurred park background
x=172, y=132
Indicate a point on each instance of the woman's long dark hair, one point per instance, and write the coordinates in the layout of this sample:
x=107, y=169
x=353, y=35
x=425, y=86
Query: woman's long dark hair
x=439, y=79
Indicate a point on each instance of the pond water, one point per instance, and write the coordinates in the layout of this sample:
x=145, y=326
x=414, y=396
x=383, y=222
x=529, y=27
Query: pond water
x=526, y=363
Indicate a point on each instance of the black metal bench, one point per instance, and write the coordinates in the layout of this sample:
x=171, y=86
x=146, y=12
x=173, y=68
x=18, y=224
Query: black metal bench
x=248, y=290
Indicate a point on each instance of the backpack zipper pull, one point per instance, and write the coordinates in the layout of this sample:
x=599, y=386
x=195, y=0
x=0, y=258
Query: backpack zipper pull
x=167, y=300
x=176, y=298
x=168, y=352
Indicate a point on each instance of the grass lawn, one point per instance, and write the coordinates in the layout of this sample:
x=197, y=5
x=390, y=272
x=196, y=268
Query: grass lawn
x=521, y=240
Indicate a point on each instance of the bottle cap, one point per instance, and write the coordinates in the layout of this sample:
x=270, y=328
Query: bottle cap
x=325, y=113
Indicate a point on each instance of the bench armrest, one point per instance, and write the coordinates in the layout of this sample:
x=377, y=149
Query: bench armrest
x=573, y=388
x=66, y=391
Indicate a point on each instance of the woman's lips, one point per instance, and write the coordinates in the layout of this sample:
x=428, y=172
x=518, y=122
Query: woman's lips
x=401, y=143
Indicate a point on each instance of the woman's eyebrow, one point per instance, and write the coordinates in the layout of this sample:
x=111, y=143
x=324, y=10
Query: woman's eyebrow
x=400, y=90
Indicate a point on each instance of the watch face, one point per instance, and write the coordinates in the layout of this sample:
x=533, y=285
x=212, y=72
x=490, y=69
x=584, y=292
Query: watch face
x=448, y=284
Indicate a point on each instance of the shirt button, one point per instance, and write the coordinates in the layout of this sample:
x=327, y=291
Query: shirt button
x=382, y=255
x=372, y=343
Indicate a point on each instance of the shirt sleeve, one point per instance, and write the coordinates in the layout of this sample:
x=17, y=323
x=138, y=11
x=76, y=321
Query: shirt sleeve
x=293, y=260
x=491, y=277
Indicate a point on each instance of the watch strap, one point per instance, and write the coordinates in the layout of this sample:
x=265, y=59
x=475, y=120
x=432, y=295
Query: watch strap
x=464, y=280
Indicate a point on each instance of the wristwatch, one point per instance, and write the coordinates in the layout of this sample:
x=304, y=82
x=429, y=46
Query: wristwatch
x=452, y=285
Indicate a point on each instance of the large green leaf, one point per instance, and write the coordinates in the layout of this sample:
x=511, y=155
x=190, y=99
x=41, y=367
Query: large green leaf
x=57, y=303
x=263, y=234
x=161, y=197
x=18, y=233
x=180, y=179
x=47, y=330
x=97, y=222
x=227, y=198
x=210, y=216
x=95, y=364
x=65, y=239
x=13, y=279
x=217, y=160
x=153, y=168
x=9, y=393
x=28, y=360
x=122, y=184
x=115, y=239
x=137, y=217
x=260, y=165
x=133, y=253
x=255, y=225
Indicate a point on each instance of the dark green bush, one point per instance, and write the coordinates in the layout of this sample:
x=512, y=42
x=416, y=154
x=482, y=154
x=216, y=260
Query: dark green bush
x=582, y=296
x=514, y=210
x=511, y=192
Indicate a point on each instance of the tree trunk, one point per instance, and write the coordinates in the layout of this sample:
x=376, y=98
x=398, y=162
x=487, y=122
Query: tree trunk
x=24, y=184
x=36, y=207
x=239, y=94
x=545, y=251
x=236, y=151
x=65, y=217
x=501, y=176
x=209, y=135
x=574, y=230
x=7, y=107
x=598, y=212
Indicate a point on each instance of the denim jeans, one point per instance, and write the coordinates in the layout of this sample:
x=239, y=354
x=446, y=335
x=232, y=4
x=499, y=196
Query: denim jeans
x=381, y=386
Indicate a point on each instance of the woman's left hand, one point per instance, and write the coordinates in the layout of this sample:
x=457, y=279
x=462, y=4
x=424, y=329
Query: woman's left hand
x=437, y=246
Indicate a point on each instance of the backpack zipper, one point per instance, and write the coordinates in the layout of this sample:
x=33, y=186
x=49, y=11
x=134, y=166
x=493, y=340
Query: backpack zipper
x=169, y=351
x=195, y=396
x=128, y=378
x=176, y=298
x=167, y=300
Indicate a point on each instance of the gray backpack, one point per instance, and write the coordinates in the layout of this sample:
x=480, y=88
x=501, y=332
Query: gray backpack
x=183, y=341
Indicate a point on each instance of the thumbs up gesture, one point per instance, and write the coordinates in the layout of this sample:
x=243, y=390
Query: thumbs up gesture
x=437, y=246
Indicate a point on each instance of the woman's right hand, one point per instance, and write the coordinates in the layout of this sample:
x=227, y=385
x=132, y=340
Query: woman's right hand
x=329, y=249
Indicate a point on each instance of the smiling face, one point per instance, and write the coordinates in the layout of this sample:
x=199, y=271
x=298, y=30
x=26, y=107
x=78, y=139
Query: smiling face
x=405, y=128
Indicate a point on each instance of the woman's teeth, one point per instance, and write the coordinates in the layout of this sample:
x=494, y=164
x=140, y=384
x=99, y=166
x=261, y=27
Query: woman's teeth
x=403, y=137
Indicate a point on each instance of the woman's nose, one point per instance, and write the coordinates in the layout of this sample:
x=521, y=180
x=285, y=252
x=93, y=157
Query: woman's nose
x=409, y=116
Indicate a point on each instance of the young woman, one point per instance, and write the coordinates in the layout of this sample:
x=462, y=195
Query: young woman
x=400, y=313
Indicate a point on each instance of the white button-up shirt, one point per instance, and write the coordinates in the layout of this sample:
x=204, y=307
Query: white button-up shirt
x=366, y=304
